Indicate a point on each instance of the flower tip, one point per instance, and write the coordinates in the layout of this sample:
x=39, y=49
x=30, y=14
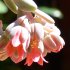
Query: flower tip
x=26, y=5
x=44, y=16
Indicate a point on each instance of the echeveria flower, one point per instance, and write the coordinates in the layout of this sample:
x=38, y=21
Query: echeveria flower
x=31, y=38
x=53, y=42
x=36, y=47
x=17, y=46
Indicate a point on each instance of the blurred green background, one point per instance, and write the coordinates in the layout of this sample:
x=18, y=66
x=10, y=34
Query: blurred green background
x=60, y=11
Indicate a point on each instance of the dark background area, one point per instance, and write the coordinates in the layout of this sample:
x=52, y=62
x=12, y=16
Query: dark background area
x=57, y=61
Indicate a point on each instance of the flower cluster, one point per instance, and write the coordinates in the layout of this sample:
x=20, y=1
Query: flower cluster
x=31, y=38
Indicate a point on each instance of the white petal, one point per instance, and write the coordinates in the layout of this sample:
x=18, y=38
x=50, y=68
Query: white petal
x=27, y=25
x=15, y=23
x=22, y=30
x=39, y=30
x=52, y=28
x=24, y=46
x=14, y=30
x=49, y=42
x=21, y=18
x=15, y=39
x=15, y=42
x=56, y=30
x=59, y=38
x=32, y=27
x=28, y=41
x=25, y=33
x=36, y=59
x=9, y=27
x=41, y=46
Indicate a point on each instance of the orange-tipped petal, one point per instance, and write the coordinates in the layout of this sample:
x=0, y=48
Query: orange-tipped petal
x=40, y=61
x=9, y=48
x=41, y=46
x=18, y=54
x=29, y=60
x=15, y=40
x=39, y=30
x=36, y=59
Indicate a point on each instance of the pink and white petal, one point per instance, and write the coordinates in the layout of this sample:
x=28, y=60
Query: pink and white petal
x=10, y=26
x=20, y=20
x=41, y=46
x=45, y=52
x=26, y=39
x=24, y=46
x=49, y=43
x=25, y=34
x=14, y=30
x=36, y=59
x=32, y=28
x=28, y=42
x=49, y=26
x=40, y=62
x=27, y=25
x=15, y=23
x=56, y=30
x=18, y=54
x=59, y=42
x=39, y=30
x=59, y=38
x=15, y=40
x=52, y=28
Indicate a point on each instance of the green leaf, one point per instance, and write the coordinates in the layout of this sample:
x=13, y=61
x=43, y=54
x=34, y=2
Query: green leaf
x=52, y=11
x=3, y=8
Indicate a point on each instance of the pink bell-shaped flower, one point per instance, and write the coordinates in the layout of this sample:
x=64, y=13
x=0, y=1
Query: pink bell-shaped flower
x=18, y=44
x=36, y=47
x=52, y=40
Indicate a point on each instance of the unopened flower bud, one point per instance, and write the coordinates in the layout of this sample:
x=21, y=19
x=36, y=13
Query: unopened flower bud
x=44, y=16
x=26, y=5
x=11, y=5
x=54, y=42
